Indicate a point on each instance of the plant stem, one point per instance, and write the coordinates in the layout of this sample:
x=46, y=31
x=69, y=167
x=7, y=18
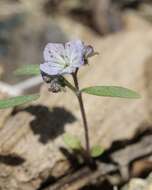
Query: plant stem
x=68, y=84
x=80, y=100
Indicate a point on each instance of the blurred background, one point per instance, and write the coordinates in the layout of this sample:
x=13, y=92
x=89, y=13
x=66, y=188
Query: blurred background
x=26, y=26
x=121, y=31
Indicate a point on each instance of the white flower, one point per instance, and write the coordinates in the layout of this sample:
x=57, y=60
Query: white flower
x=60, y=59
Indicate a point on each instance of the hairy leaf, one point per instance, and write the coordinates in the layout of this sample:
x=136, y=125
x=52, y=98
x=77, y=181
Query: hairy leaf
x=16, y=101
x=111, y=91
x=72, y=141
x=28, y=70
x=96, y=151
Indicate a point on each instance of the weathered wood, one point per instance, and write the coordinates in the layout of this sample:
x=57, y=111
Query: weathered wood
x=121, y=156
x=138, y=183
x=83, y=177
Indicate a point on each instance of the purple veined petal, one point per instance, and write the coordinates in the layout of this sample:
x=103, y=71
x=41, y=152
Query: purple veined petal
x=75, y=44
x=77, y=62
x=50, y=69
x=54, y=52
x=75, y=52
x=74, y=47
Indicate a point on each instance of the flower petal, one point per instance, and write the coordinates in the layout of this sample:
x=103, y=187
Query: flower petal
x=50, y=69
x=75, y=52
x=68, y=70
x=54, y=52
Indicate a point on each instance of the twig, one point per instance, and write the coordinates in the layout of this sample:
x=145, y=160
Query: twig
x=82, y=177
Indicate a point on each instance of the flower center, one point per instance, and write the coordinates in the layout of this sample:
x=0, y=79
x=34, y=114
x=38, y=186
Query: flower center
x=66, y=65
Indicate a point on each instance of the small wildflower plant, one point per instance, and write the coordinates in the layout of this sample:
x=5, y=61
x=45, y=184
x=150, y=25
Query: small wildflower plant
x=61, y=60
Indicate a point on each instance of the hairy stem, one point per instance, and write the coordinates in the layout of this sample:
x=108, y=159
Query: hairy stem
x=80, y=100
x=69, y=85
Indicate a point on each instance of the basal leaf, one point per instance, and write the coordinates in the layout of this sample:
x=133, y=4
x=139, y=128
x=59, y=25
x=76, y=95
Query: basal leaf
x=28, y=70
x=111, y=91
x=72, y=141
x=96, y=151
x=16, y=101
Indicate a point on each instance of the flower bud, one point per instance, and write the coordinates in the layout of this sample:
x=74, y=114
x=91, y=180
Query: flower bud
x=89, y=52
x=55, y=86
x=46, y=77
x=56, y=83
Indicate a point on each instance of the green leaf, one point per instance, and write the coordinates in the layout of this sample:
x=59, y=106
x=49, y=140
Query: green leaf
x=28, y=70
x=96, y=151
x=16, y=101
x=111, y=91
x=72, y=141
